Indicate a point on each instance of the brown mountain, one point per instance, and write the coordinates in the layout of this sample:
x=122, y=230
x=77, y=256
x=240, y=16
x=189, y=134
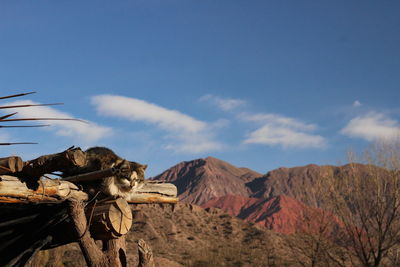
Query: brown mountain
x=277, y=200
x=203, y=179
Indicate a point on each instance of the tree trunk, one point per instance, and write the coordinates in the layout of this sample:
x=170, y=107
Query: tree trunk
x=55, y=162
x=114, y=250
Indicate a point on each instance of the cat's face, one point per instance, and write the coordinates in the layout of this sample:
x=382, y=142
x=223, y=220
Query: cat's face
x=131, y=174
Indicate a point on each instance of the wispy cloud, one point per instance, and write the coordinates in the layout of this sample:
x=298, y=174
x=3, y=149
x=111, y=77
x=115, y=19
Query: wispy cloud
x=88, y=133
x=225, y=104
x=280, y=130
x=357, y=104
x=189, y=135
x=372, y=126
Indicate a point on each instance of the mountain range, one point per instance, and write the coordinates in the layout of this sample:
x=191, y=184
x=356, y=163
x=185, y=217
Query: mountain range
x=278, y=200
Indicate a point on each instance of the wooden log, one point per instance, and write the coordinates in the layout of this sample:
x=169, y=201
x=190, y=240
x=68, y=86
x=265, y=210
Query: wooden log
x=111, y=219
x=69, y=158
x=153, y=192
x=13, y=190
x=92, y=253
x=10, y=165
x=149, y=198
x=165, y=189
x=115, y=250
x=145, y=254
x=113, y=253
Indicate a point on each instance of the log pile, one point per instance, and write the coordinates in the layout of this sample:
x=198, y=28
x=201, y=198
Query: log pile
x=25, y=182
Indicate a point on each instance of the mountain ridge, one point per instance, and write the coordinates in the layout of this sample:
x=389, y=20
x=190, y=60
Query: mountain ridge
x=278, y=200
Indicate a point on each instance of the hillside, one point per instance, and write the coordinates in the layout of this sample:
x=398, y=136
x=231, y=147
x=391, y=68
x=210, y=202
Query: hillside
x=187, y=235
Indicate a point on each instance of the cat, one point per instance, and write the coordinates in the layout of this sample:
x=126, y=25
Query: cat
x=130, y=174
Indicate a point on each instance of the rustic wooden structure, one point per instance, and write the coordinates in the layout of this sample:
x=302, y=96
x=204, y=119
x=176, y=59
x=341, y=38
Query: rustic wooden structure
x=39, y=213
x=57, y=211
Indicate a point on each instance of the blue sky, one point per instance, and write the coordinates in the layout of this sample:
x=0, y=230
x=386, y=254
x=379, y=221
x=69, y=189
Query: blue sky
x=260, y=84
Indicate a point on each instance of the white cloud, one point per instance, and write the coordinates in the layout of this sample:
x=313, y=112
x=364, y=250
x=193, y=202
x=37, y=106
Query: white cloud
x=372, y=126
x=189, y=134
x=87, y=133
x=280, y=130
x=276, y=119
x=226, y=104
x=357, y=104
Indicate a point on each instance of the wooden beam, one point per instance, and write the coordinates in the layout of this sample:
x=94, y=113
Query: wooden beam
x=161, y=188
x=12, y=190
x=148, y=198
x=153, y=192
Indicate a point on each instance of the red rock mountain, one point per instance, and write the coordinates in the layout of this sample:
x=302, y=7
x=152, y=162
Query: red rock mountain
x=282, y=213
x=203, y=179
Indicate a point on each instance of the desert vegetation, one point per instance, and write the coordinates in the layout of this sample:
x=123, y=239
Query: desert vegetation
x=360, y=221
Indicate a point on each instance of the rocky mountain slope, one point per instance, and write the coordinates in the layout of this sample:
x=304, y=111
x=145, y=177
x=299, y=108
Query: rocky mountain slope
x=203, y=179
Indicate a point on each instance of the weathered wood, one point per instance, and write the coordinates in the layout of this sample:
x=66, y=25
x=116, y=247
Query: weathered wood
x=13, y=190
x=55, y=162
x=10, y=165
x=111, y=219
x=113, y=253
x=161, y=188
x=149, y=198
x=116, y=251
x=153, y=192
x=93, y=255
x=145, y=254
